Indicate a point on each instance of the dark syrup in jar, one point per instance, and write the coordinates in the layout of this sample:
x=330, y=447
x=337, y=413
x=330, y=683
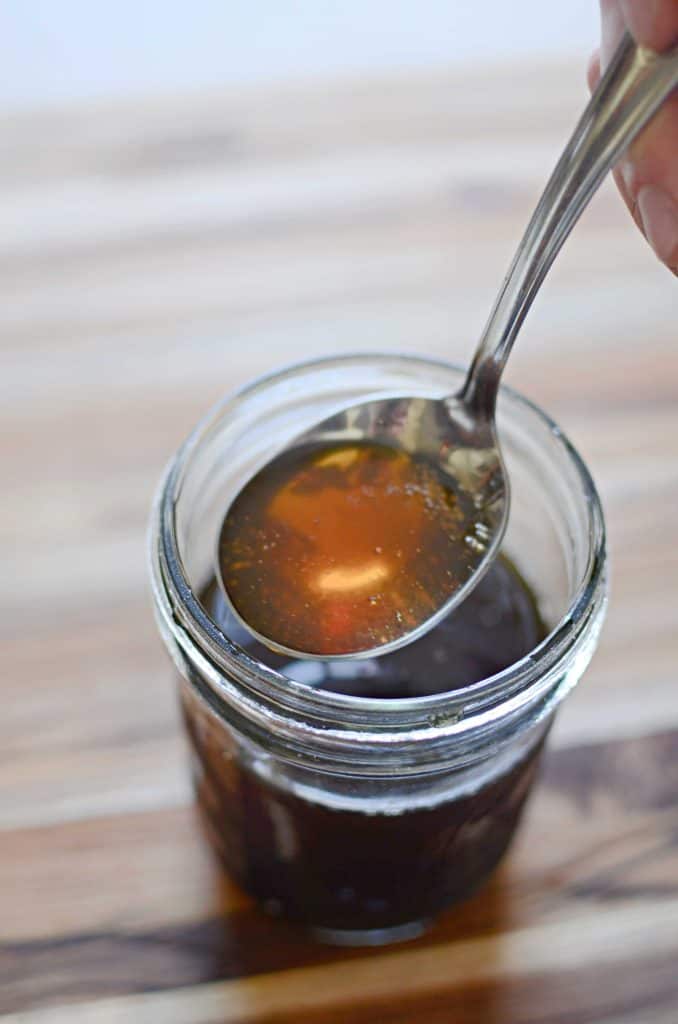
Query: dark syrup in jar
x=331, y=550
x=328, y=865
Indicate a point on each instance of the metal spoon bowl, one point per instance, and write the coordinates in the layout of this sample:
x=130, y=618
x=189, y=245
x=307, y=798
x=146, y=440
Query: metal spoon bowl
x=457, y=434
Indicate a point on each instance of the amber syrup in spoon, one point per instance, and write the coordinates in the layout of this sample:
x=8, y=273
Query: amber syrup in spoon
x=335, y=549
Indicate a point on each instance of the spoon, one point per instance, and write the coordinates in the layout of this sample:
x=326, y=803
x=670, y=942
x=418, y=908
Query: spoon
x=457, y=434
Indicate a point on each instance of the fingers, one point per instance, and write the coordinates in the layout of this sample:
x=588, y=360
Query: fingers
x=650, y=174
x=652, y=22
x=647, y=177
x=593, y=77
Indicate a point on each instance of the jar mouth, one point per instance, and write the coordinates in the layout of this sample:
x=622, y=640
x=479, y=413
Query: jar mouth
x=226, y=665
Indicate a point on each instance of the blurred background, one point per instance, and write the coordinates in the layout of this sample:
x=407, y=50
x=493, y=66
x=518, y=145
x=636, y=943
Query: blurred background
x=79, y=51
x=192, y=194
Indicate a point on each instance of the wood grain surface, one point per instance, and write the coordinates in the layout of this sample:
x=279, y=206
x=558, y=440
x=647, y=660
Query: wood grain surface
x=154, y=256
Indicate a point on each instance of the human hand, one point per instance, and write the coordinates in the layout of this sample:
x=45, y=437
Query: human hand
x=647, y=177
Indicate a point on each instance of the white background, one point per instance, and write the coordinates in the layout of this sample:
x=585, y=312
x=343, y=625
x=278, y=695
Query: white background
x=55, y=51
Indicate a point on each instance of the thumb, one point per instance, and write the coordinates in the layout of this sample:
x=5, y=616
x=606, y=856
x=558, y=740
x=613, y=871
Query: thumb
x=653, y=23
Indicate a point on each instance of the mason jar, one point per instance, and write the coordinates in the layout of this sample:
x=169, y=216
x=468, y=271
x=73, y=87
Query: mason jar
x=362, y=817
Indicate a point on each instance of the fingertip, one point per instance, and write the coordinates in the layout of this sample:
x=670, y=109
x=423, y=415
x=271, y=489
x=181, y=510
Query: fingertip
x=659, y=214
x=627, y=196
x=593, y=70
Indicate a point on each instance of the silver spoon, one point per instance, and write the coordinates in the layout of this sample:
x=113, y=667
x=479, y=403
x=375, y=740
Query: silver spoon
x=457, y=434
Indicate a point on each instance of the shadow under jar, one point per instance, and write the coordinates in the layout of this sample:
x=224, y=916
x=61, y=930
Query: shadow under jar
x=362, y=798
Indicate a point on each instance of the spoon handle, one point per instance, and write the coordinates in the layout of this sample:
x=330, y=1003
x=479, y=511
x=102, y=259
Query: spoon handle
x=634, y=85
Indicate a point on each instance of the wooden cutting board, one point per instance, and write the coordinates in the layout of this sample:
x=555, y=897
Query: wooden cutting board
x=155, y=255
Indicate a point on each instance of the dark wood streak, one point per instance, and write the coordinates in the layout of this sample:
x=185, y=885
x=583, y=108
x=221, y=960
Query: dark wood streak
x=619, y=881
x=80, y=967
x=238, y=944
x=595, y=994
x=637, y=773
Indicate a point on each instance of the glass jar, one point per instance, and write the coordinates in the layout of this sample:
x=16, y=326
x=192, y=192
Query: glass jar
x=363, y=817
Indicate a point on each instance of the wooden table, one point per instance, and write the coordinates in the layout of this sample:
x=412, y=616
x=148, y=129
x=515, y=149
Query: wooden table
x=155, y=255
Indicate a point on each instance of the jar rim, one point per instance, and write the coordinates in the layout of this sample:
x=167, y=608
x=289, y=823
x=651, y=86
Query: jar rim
x=272, y=698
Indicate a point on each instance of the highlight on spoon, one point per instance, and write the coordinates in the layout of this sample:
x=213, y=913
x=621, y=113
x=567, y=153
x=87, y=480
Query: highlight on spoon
x=336, y=549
